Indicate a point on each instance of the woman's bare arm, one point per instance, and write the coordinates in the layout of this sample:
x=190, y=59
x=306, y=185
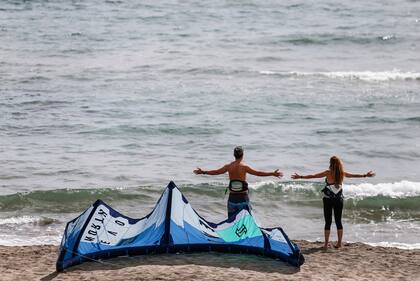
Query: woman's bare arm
x=368, y=174
x=296, y=176
x=220, y=171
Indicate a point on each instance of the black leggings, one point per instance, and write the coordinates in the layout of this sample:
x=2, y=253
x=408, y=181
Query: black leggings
x=329, y=205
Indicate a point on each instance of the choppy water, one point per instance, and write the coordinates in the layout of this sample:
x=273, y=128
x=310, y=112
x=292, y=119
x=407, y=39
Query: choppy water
x=113, y=99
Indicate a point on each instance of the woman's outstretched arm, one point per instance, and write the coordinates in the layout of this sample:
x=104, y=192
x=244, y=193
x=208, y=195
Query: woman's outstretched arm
x=368, y=174
x=296, y=176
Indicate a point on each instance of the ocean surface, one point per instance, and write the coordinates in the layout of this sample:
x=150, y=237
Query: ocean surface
x=113, y=99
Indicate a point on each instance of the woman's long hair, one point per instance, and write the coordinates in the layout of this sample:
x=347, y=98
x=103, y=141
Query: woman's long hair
x=337, y=170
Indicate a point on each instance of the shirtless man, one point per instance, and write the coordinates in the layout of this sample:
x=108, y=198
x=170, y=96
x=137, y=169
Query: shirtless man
x=238, y=187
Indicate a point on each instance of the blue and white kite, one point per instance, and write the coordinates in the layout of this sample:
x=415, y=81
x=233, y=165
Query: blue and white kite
x=173, y=226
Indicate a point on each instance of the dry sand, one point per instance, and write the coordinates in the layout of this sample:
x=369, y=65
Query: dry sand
x=355, y=261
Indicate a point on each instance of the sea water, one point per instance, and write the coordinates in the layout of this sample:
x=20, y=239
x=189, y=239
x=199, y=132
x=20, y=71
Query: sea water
x=113, y=99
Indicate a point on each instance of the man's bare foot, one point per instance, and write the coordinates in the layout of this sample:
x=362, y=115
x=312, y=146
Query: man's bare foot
x=337, y=246
x=326, y=246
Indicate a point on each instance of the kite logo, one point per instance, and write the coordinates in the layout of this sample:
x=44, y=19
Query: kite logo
x=104, y=228
x=241, y=230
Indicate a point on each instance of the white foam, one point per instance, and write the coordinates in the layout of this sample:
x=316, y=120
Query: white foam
x=261, y=184
x=370, y=76
x=268, y=72
x=374, y=76
x=289, y=186
x=400, y=189
x=20, y=220
x=404, y=246
x=13, y=240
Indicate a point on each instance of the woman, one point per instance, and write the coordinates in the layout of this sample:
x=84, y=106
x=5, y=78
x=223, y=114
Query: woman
x=333, y=195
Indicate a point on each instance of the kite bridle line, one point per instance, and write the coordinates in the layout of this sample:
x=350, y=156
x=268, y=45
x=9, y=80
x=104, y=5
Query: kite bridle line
x=89, y=258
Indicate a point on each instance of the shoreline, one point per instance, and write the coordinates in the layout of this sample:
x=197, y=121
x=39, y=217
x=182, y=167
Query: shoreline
x=355, y=261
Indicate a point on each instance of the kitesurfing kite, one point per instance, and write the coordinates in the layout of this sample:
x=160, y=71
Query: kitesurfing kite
x=173, y=226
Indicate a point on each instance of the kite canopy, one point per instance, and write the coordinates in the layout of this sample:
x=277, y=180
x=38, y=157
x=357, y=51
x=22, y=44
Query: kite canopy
x=173, y=226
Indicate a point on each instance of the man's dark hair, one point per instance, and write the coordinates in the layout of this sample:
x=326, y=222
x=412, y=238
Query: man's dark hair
x=238, y=152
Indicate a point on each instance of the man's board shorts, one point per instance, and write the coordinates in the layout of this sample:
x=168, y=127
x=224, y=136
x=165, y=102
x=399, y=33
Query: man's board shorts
x=238, y=197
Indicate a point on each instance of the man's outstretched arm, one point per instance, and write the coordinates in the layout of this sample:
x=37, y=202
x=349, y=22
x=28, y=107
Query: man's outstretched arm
x=275, y=173
x=220, y=171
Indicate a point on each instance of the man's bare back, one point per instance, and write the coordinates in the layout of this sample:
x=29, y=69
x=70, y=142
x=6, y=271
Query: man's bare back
x=237, y=170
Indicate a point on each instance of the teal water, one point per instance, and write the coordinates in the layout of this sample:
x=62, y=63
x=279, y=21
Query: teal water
x=114, y=99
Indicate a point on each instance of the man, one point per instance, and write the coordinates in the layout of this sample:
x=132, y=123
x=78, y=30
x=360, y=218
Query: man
x=238, y=186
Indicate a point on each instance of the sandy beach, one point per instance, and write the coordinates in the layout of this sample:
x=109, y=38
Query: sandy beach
x=355, y=261
x=119, y=122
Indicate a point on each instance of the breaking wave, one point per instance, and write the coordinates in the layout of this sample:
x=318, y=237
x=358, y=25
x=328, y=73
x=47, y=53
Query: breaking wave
x=401, y=195
x=67, y=200
x=370, y=76
x=42, y=221
x=401, y=189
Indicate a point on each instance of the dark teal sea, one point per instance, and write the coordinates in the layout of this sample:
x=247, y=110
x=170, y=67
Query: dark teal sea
x=113, y=99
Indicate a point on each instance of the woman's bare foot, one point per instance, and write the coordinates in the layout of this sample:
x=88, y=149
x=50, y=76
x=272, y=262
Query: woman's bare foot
x=337, y=246
x=326, y=246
